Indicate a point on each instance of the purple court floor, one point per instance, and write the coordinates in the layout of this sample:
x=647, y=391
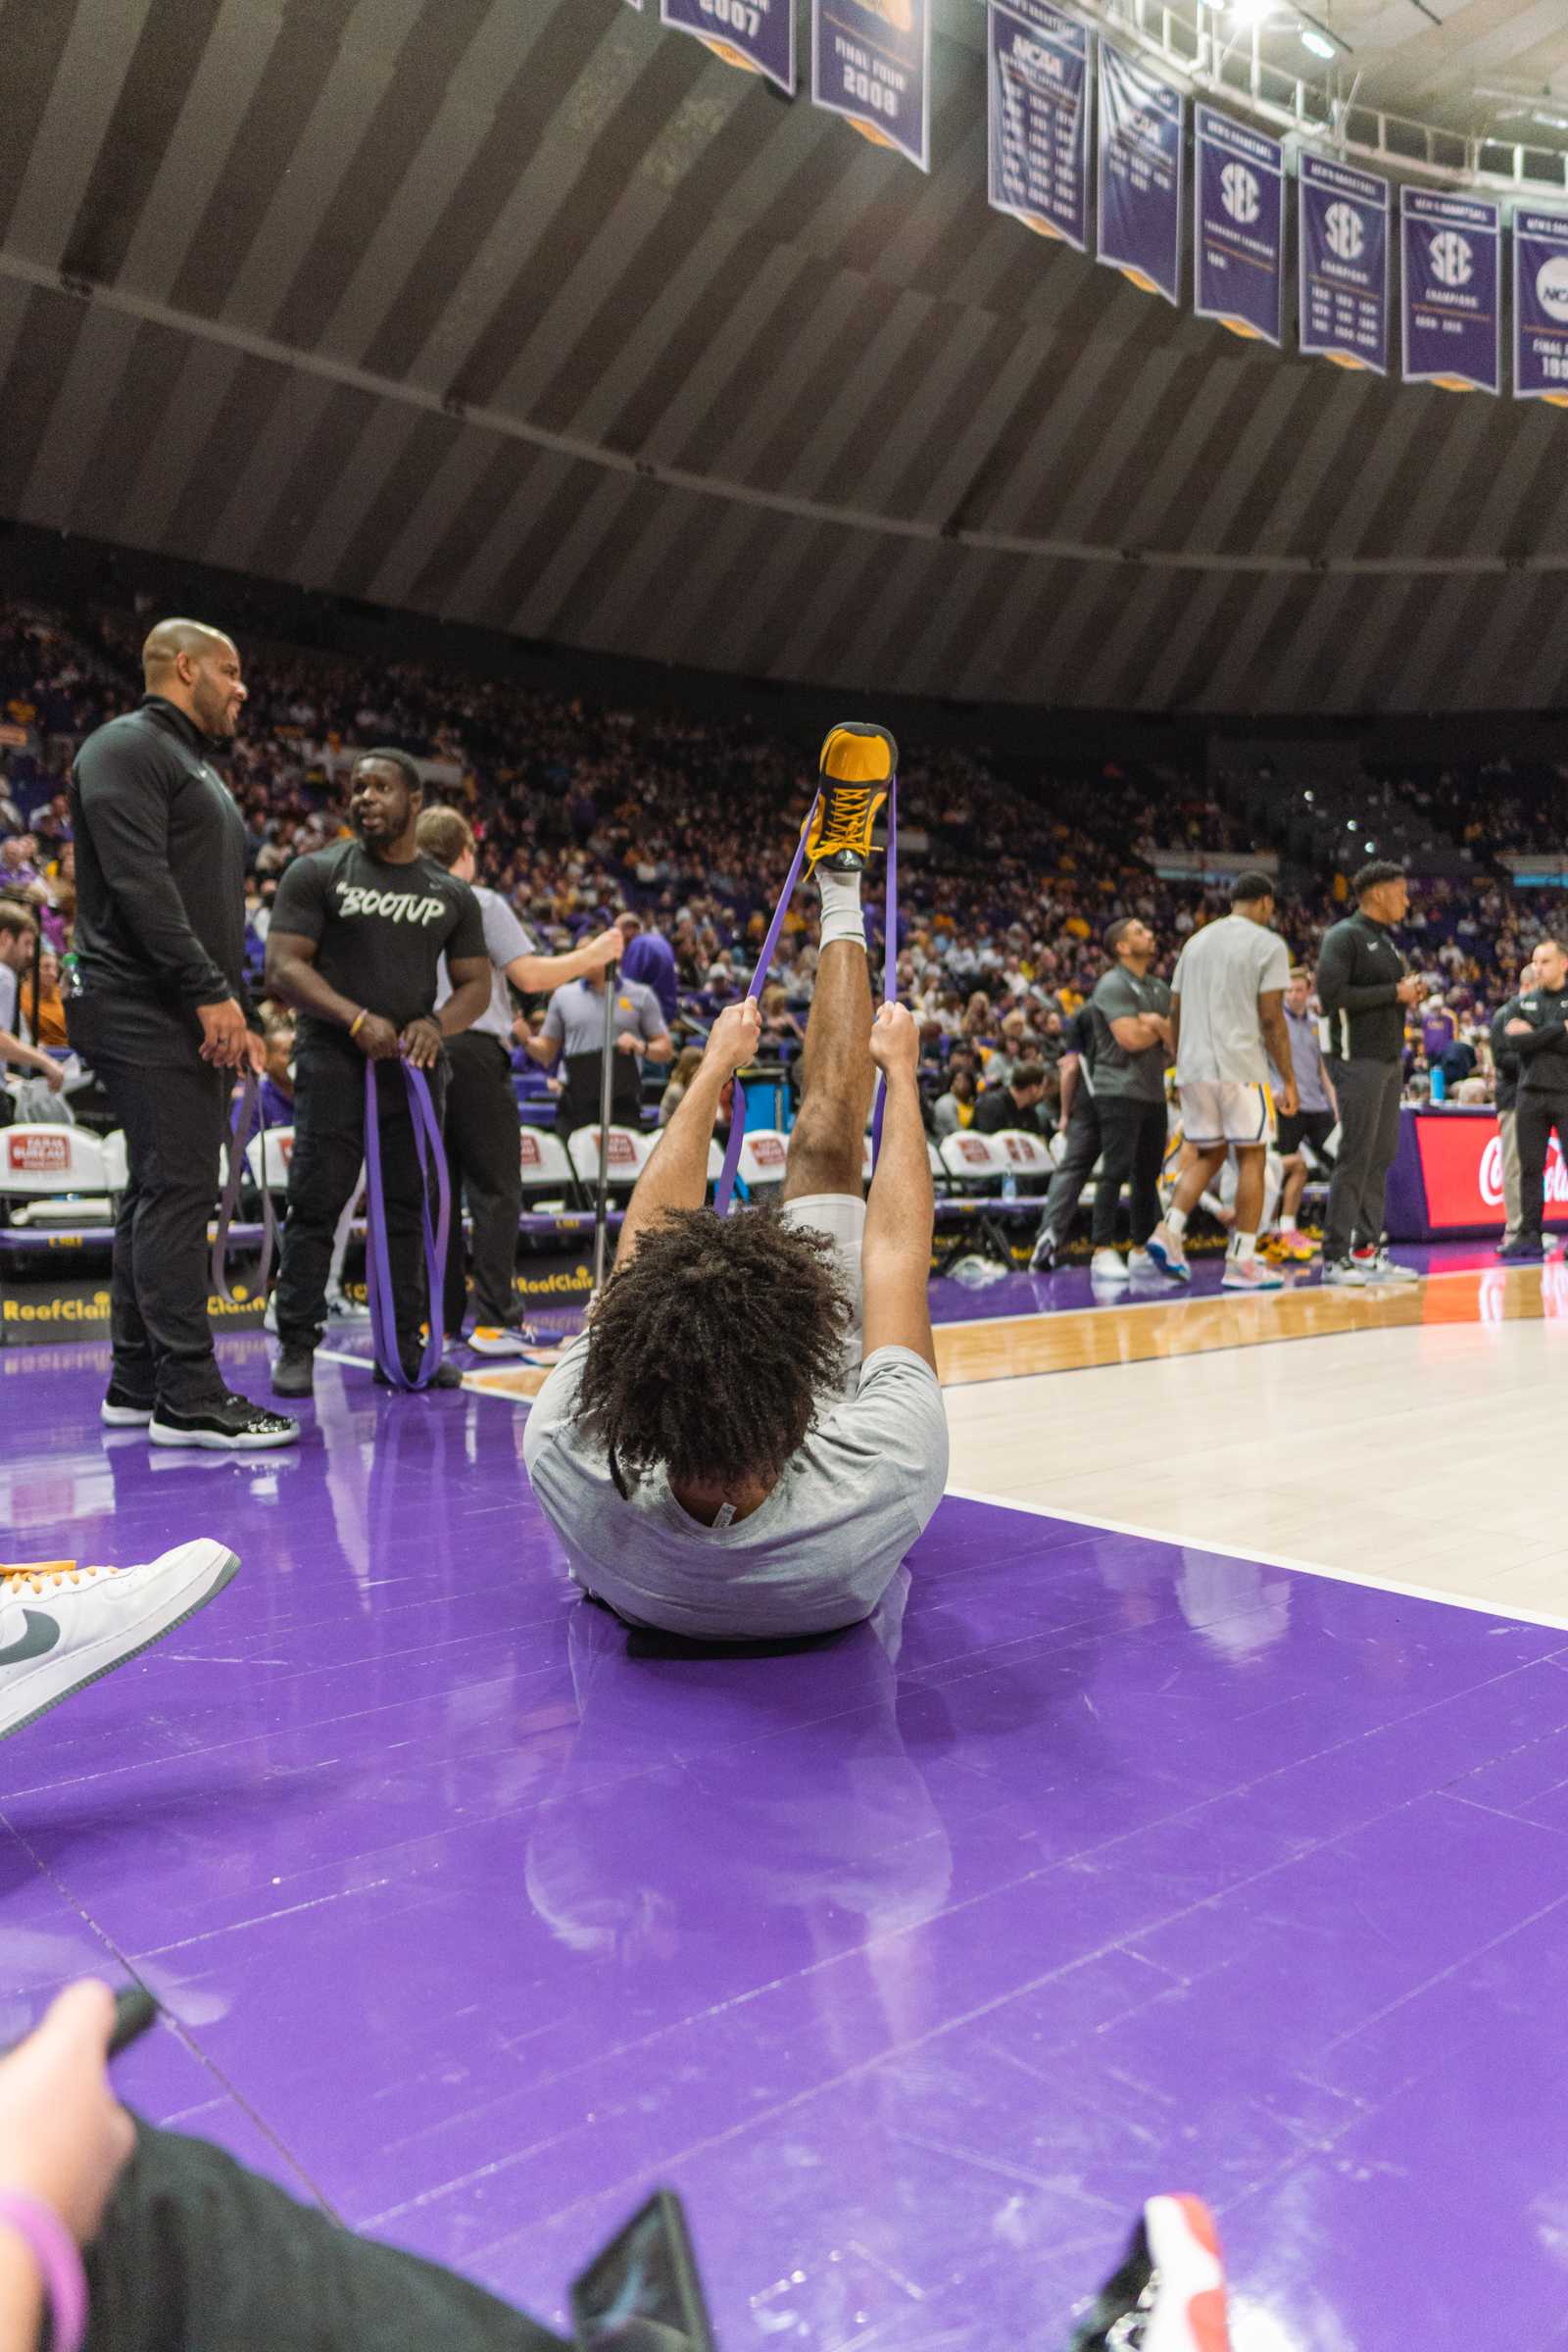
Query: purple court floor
x=913, y=1960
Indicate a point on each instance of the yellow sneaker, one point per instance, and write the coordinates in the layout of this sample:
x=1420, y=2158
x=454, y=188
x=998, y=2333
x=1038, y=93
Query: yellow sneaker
x=1292, y=1248
x=858, y=763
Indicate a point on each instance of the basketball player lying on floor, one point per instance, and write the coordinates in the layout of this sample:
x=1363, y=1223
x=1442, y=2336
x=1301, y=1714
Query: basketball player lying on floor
x=750, y=1435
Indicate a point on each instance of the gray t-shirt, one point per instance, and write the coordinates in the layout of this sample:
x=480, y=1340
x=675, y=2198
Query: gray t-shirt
x=1219, y=976
x=1121, y=994
x=576, y=1016
x=818, y=1553
x=9, y=990
x=505, y=940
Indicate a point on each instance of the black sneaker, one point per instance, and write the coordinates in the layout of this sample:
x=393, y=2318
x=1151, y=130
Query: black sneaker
x=121, y=1411
x=236, y=1425
x=1523, y=1252
x=294, y=1372
x=858, y=763
x=445, y=1376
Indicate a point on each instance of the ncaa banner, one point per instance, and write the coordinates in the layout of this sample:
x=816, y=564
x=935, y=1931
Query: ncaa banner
x=871, y=62
x=1239, y=228
x=1142, y=123
x=1541, y=307
x=1343, y=264
x=1453, y=285
x=1039, y=119
x=757, y=34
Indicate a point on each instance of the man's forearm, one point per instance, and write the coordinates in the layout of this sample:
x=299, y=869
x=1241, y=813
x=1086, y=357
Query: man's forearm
x=26, y=1057
x=301, y=985
x=1277, y=1038
x=535, y=975
x=463, y=1007
x=901, y=1211
x=545, y=1051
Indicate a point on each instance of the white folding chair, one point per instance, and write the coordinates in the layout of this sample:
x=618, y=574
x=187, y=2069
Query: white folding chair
x=625, y=1159
x=267, y=1159
x=58, y=1176
x=549, y=1180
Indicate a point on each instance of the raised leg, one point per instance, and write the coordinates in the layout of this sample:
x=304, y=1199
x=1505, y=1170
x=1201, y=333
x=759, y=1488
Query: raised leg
x=827, y=1144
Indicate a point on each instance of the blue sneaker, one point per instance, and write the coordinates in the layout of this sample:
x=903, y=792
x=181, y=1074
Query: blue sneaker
x=1165, y=1248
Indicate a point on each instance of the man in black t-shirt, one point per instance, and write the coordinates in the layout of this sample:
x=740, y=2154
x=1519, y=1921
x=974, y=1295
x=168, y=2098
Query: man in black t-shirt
x=355, y=945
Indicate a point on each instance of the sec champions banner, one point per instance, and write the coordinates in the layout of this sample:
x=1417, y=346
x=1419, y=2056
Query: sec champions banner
x=1343, y=264
x=1541, y=307
x=1453, y=285
x=1142, y=122
x=871, y=62
x=758, y=34
x=1239, y=227
x=1039, y=119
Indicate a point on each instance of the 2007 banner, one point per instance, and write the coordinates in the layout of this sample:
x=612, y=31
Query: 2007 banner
x=871, y=62
x=1039, y=118
x=758, y=34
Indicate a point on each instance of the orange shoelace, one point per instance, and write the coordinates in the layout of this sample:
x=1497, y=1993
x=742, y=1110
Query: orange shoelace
x=43, y=1576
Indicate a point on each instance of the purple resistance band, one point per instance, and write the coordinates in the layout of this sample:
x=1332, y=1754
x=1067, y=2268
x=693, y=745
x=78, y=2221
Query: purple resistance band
x=250, y=1102
x=54, y=2250
x=723, y=1197
x=378, y=1262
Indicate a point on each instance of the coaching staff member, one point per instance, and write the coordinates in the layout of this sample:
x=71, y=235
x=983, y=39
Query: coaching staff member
x=1538, y=1034
x=1363, y=988
x=355, y=945
x=162, y=1018
x=1506, y=1101
x=480, y=1124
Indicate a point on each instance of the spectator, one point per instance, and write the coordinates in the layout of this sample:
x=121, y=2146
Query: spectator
x=1017, y=1104
x=17, y=933
x=955, y=1108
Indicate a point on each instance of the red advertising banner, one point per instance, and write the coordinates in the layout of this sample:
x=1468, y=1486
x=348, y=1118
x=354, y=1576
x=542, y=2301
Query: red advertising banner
x=1462, y=1168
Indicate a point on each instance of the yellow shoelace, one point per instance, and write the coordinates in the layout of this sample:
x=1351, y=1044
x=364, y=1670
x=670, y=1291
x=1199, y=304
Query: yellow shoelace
x=847, y=813
x=39, y=1576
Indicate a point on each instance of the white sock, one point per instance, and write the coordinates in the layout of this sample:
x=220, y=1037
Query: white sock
x=1245, y=1246
x=1287, y=1224
x=1176, y=1221
x=842, y=917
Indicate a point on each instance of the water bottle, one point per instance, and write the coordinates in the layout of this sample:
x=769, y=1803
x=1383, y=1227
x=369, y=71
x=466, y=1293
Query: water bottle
x=1440, y=1084
x=70, y=974
x=1009, y=1185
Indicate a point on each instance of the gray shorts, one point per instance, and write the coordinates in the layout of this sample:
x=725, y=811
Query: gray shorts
x=842, y=1217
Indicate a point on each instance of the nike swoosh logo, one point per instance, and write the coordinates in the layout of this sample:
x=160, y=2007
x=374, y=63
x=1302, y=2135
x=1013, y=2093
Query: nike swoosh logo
x=41, y=1636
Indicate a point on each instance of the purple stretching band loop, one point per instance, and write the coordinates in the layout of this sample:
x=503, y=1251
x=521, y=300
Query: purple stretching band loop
x=377, y=1257
x=54, y=2250
x=234, y=1144
x=723, y=1197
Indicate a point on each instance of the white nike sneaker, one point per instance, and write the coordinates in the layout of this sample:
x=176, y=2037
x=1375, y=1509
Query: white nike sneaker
x=496, y=1339
x=1385, y=1268
x=62, y=1625
x=1107, y=1266
x=1250, y=1274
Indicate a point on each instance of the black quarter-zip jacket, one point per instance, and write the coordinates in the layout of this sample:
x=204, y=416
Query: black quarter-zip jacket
x=161, y=858
x=1359, y=968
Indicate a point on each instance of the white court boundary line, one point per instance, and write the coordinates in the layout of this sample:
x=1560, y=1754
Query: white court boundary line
x=1261, y=1559
x=1180, y=1295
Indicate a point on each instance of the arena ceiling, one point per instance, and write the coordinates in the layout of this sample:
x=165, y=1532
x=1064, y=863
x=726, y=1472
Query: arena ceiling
x=528, y=313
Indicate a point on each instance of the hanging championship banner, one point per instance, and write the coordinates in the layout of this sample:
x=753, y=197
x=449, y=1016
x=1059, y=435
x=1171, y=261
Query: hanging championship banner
x=1344, y=266
x=1141, y=121
x=871, y=62
x=1239, y=228
x=756, y=34
x=1039, y=118
x=1541, y=307
x=1453, y=285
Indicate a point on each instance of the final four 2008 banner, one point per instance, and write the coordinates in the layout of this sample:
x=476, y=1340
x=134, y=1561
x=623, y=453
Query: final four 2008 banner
x=756, y=33
x=871, y=62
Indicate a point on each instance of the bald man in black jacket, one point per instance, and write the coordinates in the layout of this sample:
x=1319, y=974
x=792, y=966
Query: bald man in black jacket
x=161, y=1016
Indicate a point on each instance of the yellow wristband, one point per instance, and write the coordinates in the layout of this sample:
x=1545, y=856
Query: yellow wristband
x=354, y=1025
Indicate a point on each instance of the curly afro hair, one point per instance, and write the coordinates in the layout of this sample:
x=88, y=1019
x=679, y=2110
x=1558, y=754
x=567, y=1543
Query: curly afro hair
x=709, y=1349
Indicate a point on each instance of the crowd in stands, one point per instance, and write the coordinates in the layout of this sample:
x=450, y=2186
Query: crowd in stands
x=692, y=823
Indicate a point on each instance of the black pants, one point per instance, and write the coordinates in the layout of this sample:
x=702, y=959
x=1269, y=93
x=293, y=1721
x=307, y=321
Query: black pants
x=1132, y=1151
x=1535, y=1117
x=322, y=1172
x=172, y=1106
x=197, y=2252
x=1084, y=1147
x=484, y=1160
x=1368, y=1097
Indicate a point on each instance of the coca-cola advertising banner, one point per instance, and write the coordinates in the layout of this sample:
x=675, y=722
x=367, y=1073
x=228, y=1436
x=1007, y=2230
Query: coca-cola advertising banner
x=1455, y=1162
